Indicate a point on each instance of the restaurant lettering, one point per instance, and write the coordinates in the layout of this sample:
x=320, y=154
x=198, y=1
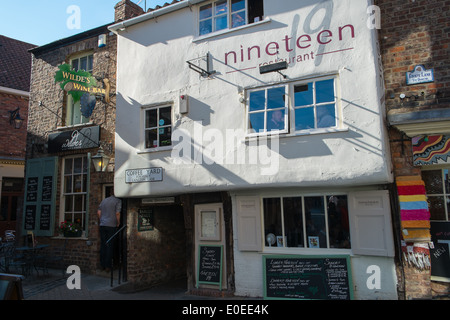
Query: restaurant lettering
x=288, y=44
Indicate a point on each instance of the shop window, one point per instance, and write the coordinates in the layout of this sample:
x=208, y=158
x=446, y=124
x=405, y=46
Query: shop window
x=228, y=14
x=301, y=107
x=306, y=222
x=158, y=127
x=437, y=186
x=73, y=110
x=75, y=190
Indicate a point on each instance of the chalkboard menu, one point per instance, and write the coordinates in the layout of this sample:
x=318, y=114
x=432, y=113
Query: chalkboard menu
x=30, y=217
x=32, y=189
x=440, y=254
x=47, y=188
x=307, y=277
x=210, y=265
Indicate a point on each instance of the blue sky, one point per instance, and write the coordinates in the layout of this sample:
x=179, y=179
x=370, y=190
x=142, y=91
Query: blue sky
x=43, y=21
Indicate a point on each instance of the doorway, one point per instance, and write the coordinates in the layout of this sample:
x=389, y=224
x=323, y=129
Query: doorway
x=12, y=197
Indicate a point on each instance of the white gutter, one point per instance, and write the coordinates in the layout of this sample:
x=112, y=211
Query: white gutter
x=14, y=92
x=153, y=14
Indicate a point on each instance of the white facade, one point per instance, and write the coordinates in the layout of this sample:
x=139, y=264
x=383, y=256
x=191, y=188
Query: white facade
x=212, y=147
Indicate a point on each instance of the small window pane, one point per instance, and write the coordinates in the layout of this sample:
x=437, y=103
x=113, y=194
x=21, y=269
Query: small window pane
x=304, y=118
x=75, y=64
x=325, y=91
x=433, y=181
x=293, y=221
x=275, y=98
x=303, y=95
x=221, y=8
x=205, y=27
x=151, y=138
x=237, y=5
x=272, y=219
x=338, y=221
x=165, y=117
x=68, y=184
x=275, y=120
x=77, y=165
x=221, y=23
x=68, y=166
x=83, y=63
x=206, y=11
x=437, y=208
x=151, y=118
x=165, y=137
x=68, y=204
x=446, y=181
x=315, y=222
x=238, y=19
x=257, y=100
x=90, y=63
x=256, y=122
x=326, y=116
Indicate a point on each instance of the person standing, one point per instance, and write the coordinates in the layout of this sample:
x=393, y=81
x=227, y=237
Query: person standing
x=109, y=217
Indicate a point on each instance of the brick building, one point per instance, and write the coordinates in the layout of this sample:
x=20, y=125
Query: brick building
x=71, y=119
x=15, y=71
x=415, y=39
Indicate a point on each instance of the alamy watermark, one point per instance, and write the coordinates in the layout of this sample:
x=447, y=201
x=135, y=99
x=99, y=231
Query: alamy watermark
x=212, y=147
x=74, y=19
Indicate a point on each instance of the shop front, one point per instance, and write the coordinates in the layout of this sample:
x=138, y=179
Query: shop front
x=264, y=124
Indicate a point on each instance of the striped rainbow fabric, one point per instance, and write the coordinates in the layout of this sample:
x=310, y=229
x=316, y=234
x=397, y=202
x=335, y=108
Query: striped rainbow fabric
x=414, y=212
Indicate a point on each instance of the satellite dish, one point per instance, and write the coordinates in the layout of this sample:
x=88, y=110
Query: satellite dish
x=270, y=238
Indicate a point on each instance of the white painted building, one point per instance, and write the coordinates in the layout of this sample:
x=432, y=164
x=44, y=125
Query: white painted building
x=199, y=86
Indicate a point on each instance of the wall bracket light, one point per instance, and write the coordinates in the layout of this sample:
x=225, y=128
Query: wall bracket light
x=15, y=119
x=100, y=160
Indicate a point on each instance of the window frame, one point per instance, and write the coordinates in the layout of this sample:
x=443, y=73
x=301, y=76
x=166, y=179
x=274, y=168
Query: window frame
x=84, y=193
x=305, y=248
x=445, y=195
x=145, y=129
x=229, y=14
x=70, y=105
x=290, y=129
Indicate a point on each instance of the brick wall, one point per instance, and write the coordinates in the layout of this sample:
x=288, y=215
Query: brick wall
x=12, y=141
x=126, y=9
x=414, y=32
x=49, y=118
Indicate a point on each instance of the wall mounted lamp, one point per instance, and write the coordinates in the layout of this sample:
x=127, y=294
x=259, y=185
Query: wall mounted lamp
x=100, y=160
x=15, y=119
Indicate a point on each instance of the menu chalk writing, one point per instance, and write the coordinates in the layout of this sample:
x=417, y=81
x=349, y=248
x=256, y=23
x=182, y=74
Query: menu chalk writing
x=32, y=189
x=440, y=252
x=47, y=187
x=210, y=265
x=44, y=223
x=307, y=277
x=30, y=217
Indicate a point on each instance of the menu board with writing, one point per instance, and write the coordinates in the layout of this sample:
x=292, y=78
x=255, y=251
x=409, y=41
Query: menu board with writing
x=47, y=187
x=440, y=253
x=30, y=217
x=210, y=265
x=32, y=189
x=307, y=277
x=44, y=222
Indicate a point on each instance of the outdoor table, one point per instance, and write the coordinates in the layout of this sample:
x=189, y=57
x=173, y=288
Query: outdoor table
x=31, y=255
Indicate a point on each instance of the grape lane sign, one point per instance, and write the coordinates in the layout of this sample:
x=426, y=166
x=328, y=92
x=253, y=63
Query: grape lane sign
x=144, y=175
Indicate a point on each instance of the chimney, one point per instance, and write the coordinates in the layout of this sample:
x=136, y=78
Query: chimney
x=126, y=9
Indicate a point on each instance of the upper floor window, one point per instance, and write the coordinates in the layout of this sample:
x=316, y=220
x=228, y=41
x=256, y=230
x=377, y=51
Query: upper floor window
x=73, y=109
x=227, y=14
x=297, y=107
x=158, y=127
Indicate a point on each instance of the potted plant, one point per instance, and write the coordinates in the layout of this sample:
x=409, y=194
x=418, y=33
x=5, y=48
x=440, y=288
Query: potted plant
x=70, y=229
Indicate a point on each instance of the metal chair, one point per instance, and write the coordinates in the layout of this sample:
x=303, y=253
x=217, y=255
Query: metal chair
x=56, y=259
x=14, y=260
